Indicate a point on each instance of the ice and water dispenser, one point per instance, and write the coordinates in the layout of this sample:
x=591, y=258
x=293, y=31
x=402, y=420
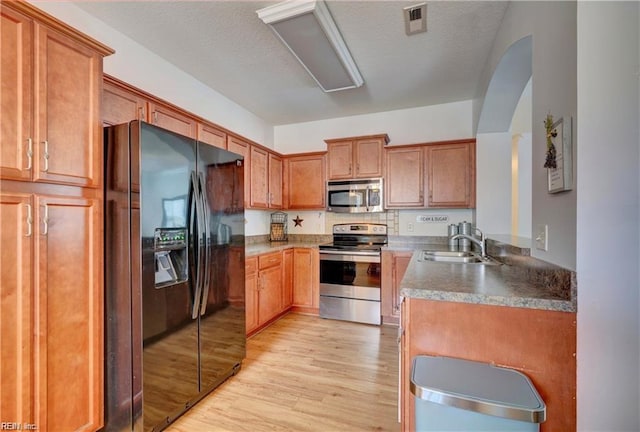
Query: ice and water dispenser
x=170, y=248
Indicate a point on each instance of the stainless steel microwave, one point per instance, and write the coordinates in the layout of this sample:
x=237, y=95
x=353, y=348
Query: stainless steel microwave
x=355, y=196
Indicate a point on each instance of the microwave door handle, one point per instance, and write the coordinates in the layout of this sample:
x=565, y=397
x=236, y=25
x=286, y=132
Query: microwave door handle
x=367, y=198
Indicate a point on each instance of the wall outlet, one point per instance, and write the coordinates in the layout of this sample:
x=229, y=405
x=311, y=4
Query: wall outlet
x=542, y=237
x=410, y=227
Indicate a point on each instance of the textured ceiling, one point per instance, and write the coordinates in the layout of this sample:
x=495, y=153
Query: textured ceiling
x=226, y=46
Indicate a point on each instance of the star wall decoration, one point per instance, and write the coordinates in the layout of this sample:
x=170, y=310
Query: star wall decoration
x=297, y=221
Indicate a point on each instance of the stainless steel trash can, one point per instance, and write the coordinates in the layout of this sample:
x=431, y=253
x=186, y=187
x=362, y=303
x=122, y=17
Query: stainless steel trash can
x=461, y=395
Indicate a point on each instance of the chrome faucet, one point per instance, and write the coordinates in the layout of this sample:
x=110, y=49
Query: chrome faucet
x=482, y=242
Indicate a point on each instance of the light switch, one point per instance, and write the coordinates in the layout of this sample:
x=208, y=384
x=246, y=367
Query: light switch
x=542, y=237
x=410, y=227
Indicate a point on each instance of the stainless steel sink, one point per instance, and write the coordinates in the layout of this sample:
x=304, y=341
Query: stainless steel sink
x=462, y=257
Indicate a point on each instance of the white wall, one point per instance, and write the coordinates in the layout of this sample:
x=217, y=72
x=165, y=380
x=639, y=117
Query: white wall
x=553, y=28
x=407, y=126
x=136, y=65
x=493, y=182
x=608, y=216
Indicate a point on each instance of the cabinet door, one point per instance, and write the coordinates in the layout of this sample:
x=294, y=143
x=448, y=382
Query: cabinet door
x=259, y=178
x=451, y=175
x=340, y=155
x=269, y=293
x=240, y=147
x=368, y=158
x=211, y=135
x=69, y=322
x=404, y=178
x=251, y=294
x=306, y=278
x=16, y=133
x=171, y=119
x=287, y=279
x=275, y=181
x=68, y=96
x=305, y=182
x=16, y=309
x=120, y=105
x=400, y=263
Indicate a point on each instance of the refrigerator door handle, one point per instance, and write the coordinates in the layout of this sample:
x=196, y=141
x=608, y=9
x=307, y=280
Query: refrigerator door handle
x=197, y=248
x=207, y=255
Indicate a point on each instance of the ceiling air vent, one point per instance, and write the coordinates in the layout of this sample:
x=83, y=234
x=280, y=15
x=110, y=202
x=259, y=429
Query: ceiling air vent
x=415, y=19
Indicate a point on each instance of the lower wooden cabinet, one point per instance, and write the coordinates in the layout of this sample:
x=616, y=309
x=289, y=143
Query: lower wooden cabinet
x=263, y=290
x=287, y=279
x=52, y=311
x=306, y=280
x=539, y=343
x=394, y=265
x=269, y=286
x=276, y=282
x=251, y=294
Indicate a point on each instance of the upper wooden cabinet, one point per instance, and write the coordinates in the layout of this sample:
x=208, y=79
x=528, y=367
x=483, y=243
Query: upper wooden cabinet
x=243, y=148
x=356, y=157
x=212, y=135
x=120, y=105
x=259, y=195
x=51, y=93
x=404, y=177
x=275, y=181
x=266, y=179
x=451, y=174
x=305, y=180
x=447, y=174
x=171, y=119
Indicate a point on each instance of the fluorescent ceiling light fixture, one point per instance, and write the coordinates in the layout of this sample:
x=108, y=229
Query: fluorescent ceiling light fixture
x=307, y=29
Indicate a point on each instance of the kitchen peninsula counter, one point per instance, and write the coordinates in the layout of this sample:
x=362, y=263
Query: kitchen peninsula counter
x=516, y=282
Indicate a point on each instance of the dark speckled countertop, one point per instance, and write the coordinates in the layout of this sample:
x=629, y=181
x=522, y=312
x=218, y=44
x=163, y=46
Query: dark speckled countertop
x=519, y=281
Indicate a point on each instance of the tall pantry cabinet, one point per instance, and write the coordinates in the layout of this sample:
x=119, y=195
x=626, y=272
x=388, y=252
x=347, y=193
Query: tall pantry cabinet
x=51, y=213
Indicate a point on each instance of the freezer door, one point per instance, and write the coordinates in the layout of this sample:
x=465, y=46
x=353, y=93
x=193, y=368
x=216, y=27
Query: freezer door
x=170, y=334
x=222, y=314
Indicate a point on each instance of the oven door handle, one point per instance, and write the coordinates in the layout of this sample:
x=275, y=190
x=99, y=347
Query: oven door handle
x=350, y=256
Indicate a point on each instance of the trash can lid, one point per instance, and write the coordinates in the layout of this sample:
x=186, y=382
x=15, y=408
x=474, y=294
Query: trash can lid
x=479, y=387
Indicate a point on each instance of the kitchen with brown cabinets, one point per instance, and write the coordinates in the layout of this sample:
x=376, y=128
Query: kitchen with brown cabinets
x=55, y=99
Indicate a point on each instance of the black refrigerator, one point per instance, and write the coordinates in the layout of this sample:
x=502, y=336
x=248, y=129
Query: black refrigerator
x=174, y=288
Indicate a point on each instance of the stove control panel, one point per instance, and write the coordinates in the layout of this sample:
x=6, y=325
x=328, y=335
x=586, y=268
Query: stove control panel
x=361, y=229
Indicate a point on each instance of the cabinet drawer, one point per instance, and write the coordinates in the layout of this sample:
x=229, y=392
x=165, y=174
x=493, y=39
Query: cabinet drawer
x=269, y=260
x=250, y=266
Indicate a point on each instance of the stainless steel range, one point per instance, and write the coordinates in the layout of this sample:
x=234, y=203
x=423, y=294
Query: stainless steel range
x=350, y=273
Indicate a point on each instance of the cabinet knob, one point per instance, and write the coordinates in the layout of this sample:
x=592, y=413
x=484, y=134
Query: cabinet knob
x=45, y=220
x=45, y=155
x=29, y=221
x=29, y=153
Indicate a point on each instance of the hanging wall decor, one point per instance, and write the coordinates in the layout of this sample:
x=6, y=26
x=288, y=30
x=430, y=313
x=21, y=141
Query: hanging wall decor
x=558, y=160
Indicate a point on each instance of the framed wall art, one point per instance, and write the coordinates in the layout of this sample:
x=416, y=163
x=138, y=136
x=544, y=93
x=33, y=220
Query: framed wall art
x=559, y=157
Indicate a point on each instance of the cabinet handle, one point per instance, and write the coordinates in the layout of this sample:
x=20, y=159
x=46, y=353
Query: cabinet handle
x=29, y=221
x=155, y=117
x=29, y=153
x=45, y=220
x=46, y=155
x=140, y=113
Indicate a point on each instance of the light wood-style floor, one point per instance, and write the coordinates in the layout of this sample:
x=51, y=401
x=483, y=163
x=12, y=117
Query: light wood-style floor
x=304, y=373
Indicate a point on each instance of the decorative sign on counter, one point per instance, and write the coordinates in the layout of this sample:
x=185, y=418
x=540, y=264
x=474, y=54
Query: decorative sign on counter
x=432, y=218
x=559, y=154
